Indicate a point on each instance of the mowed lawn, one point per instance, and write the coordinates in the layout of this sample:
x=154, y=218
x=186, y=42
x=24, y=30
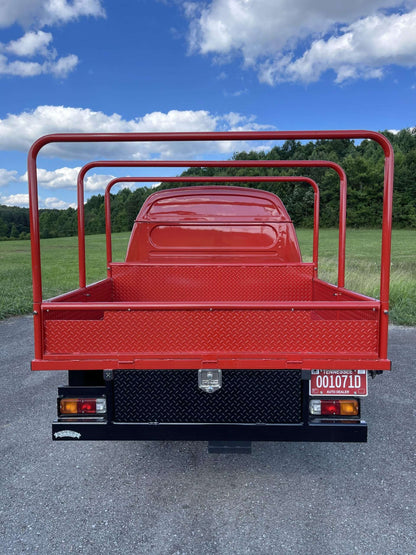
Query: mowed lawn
x=60, y=267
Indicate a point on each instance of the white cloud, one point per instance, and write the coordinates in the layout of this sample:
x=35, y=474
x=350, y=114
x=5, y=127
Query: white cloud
x=66, y=178
x=97, y=182
x=240, y=122
x=38, y=14
x=59, y=68
x=47, y=12
x=7, y=177
x=53, y=202
x=264, y=26
x=19, y=199
x=62, y=178
x=62, y=11
x=30, y=44
x=22, y=69
x=176, y=120
x=18, y=132
x=22, y=200
x=362, y=50
x=269, y=33
x=63, y=66
x=22, y=12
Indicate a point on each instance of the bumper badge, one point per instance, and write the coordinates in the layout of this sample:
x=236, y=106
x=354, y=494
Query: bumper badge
x=209, y=380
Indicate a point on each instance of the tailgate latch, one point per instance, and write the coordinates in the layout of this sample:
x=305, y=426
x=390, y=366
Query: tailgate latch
x=209, y=379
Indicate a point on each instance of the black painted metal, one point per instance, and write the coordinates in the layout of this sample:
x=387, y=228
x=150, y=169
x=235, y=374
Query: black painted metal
x=246, y=396
x=81, y=391
x=319, y=431
x=259, y=400
x=305, y=402
x=85, y=377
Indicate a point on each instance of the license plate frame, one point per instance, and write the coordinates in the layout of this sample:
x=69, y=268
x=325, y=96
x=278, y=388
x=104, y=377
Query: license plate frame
x=338, y=383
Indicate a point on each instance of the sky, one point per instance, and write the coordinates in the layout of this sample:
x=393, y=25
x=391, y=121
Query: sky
x=172, y=65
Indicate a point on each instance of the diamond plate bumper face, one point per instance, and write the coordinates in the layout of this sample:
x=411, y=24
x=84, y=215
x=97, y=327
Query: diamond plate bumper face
x=246, y=396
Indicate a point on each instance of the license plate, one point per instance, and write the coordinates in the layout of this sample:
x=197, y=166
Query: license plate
x=338, y=383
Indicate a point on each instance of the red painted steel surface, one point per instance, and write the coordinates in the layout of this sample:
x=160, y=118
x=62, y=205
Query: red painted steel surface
x=240, y=179
x=168, y=311
x=212, y=333
x=213, y=224
x=199, y=204
x=321, y=333
x=194, y=283
x=219, y=237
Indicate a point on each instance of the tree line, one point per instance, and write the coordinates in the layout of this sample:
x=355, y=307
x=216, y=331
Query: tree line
x=362, y=162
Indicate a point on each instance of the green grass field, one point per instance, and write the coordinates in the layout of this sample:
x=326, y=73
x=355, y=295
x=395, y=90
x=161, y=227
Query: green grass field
x=60, y=267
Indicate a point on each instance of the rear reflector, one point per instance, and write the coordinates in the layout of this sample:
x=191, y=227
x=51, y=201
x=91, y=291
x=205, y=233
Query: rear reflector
x=337, y=407
x=82, y=406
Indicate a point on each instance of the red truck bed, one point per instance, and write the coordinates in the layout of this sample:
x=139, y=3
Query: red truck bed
x=256, y=316
x=216, y=286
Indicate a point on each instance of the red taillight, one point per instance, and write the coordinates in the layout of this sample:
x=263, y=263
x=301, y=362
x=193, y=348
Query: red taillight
x=330, y=407
x=334, y=407
x=87, y=406
x=82, y=406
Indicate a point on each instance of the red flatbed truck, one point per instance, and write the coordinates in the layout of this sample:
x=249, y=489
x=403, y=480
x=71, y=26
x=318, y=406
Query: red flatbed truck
x=213, y=328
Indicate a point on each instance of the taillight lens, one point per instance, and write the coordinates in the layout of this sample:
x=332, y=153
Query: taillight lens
x=337, y=407
x=349, y=408
x=82, y=406
x=86, y=406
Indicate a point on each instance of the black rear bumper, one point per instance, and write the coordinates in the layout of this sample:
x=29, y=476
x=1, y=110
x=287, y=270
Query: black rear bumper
x=313, y=431
x=252, y=405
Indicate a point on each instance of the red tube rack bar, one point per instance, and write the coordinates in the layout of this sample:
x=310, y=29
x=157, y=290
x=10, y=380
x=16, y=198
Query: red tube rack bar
x=215, y=164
